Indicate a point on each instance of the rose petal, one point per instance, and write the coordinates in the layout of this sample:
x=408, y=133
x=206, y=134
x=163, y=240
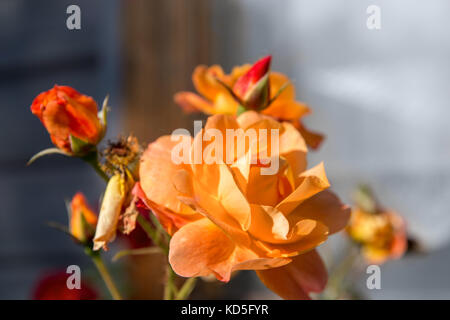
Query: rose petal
x=326, y=208
x=312, y=182
x=294, y=281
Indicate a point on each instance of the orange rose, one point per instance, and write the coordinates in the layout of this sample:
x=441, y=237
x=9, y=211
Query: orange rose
x=382, y=235
x=70, y=118
x=83, y=220
x=252, y=87
x=228, y=215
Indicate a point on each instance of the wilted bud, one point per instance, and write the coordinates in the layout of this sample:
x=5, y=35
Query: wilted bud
x=70, y=118
x=253, y=88
x=113, y=201
x=82, y=219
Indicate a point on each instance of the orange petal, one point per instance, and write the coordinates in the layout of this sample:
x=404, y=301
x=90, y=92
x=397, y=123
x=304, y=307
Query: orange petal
x=278, y=80
x=201, y=248
x=293, y=149
x=294, y=281
x=191, y=102
x=58, y=121
x=312, y=182
x=170, y=221
x=306, y=235
x=224, y=103
x=286, y=109
x=205, y=82
x=313, y=139
x=156, y=172
x=326, y=208
x=263, y=189
x=269, y=224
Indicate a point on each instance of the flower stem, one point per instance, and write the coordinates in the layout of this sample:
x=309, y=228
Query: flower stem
x=186, y=289
x=92, y=159
x=339, y=274
x=170, y=290
x=98, y=262
x=152, y=233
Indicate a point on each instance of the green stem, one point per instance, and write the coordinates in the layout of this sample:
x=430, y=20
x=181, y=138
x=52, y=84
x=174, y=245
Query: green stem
x=98, y=262
x=152, y=233
x=186, y=289
x=92, y=159
x=340, y=272
x=170, y=290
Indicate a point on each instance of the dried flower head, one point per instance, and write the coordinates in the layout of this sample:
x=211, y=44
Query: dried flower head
x=121, y=154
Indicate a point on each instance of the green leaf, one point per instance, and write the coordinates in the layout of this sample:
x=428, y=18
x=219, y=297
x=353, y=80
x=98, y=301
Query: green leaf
x=62, y=228
x=46, y=152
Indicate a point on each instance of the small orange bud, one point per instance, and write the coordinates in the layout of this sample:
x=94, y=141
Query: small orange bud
x=69, y=117
x=83, y=219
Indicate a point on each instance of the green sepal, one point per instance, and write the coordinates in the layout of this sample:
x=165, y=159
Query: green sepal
x=63, y=229
x=102, y=115
x=230, y=91
x=280, y=91
x=240, y=110
x=79, y=147
x=46, y=152
x=257, y=98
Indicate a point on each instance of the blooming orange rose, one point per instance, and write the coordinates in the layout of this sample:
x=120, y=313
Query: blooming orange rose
x=254, y=86
x=381, y=234
x=66, y=113
x=82, y=218
x=229, y=215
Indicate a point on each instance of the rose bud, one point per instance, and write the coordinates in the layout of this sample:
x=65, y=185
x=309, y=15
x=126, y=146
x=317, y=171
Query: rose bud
x=71, y=119
x=82, y=219
x=253, y=88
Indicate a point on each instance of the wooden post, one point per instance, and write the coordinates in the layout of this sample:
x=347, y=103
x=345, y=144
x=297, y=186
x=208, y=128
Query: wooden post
x=162, y=43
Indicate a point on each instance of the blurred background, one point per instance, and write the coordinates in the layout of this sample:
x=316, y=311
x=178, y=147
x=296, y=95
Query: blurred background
x=380, y=96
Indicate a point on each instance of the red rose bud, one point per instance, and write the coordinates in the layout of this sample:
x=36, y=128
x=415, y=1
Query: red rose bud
x=254, y=87
x=70, y=118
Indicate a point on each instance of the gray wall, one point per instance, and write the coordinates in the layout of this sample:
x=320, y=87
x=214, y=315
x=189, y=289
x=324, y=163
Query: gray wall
x=37, y=51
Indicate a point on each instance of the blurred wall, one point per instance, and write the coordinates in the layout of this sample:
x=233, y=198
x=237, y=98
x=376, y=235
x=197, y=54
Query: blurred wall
x=38, y=51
